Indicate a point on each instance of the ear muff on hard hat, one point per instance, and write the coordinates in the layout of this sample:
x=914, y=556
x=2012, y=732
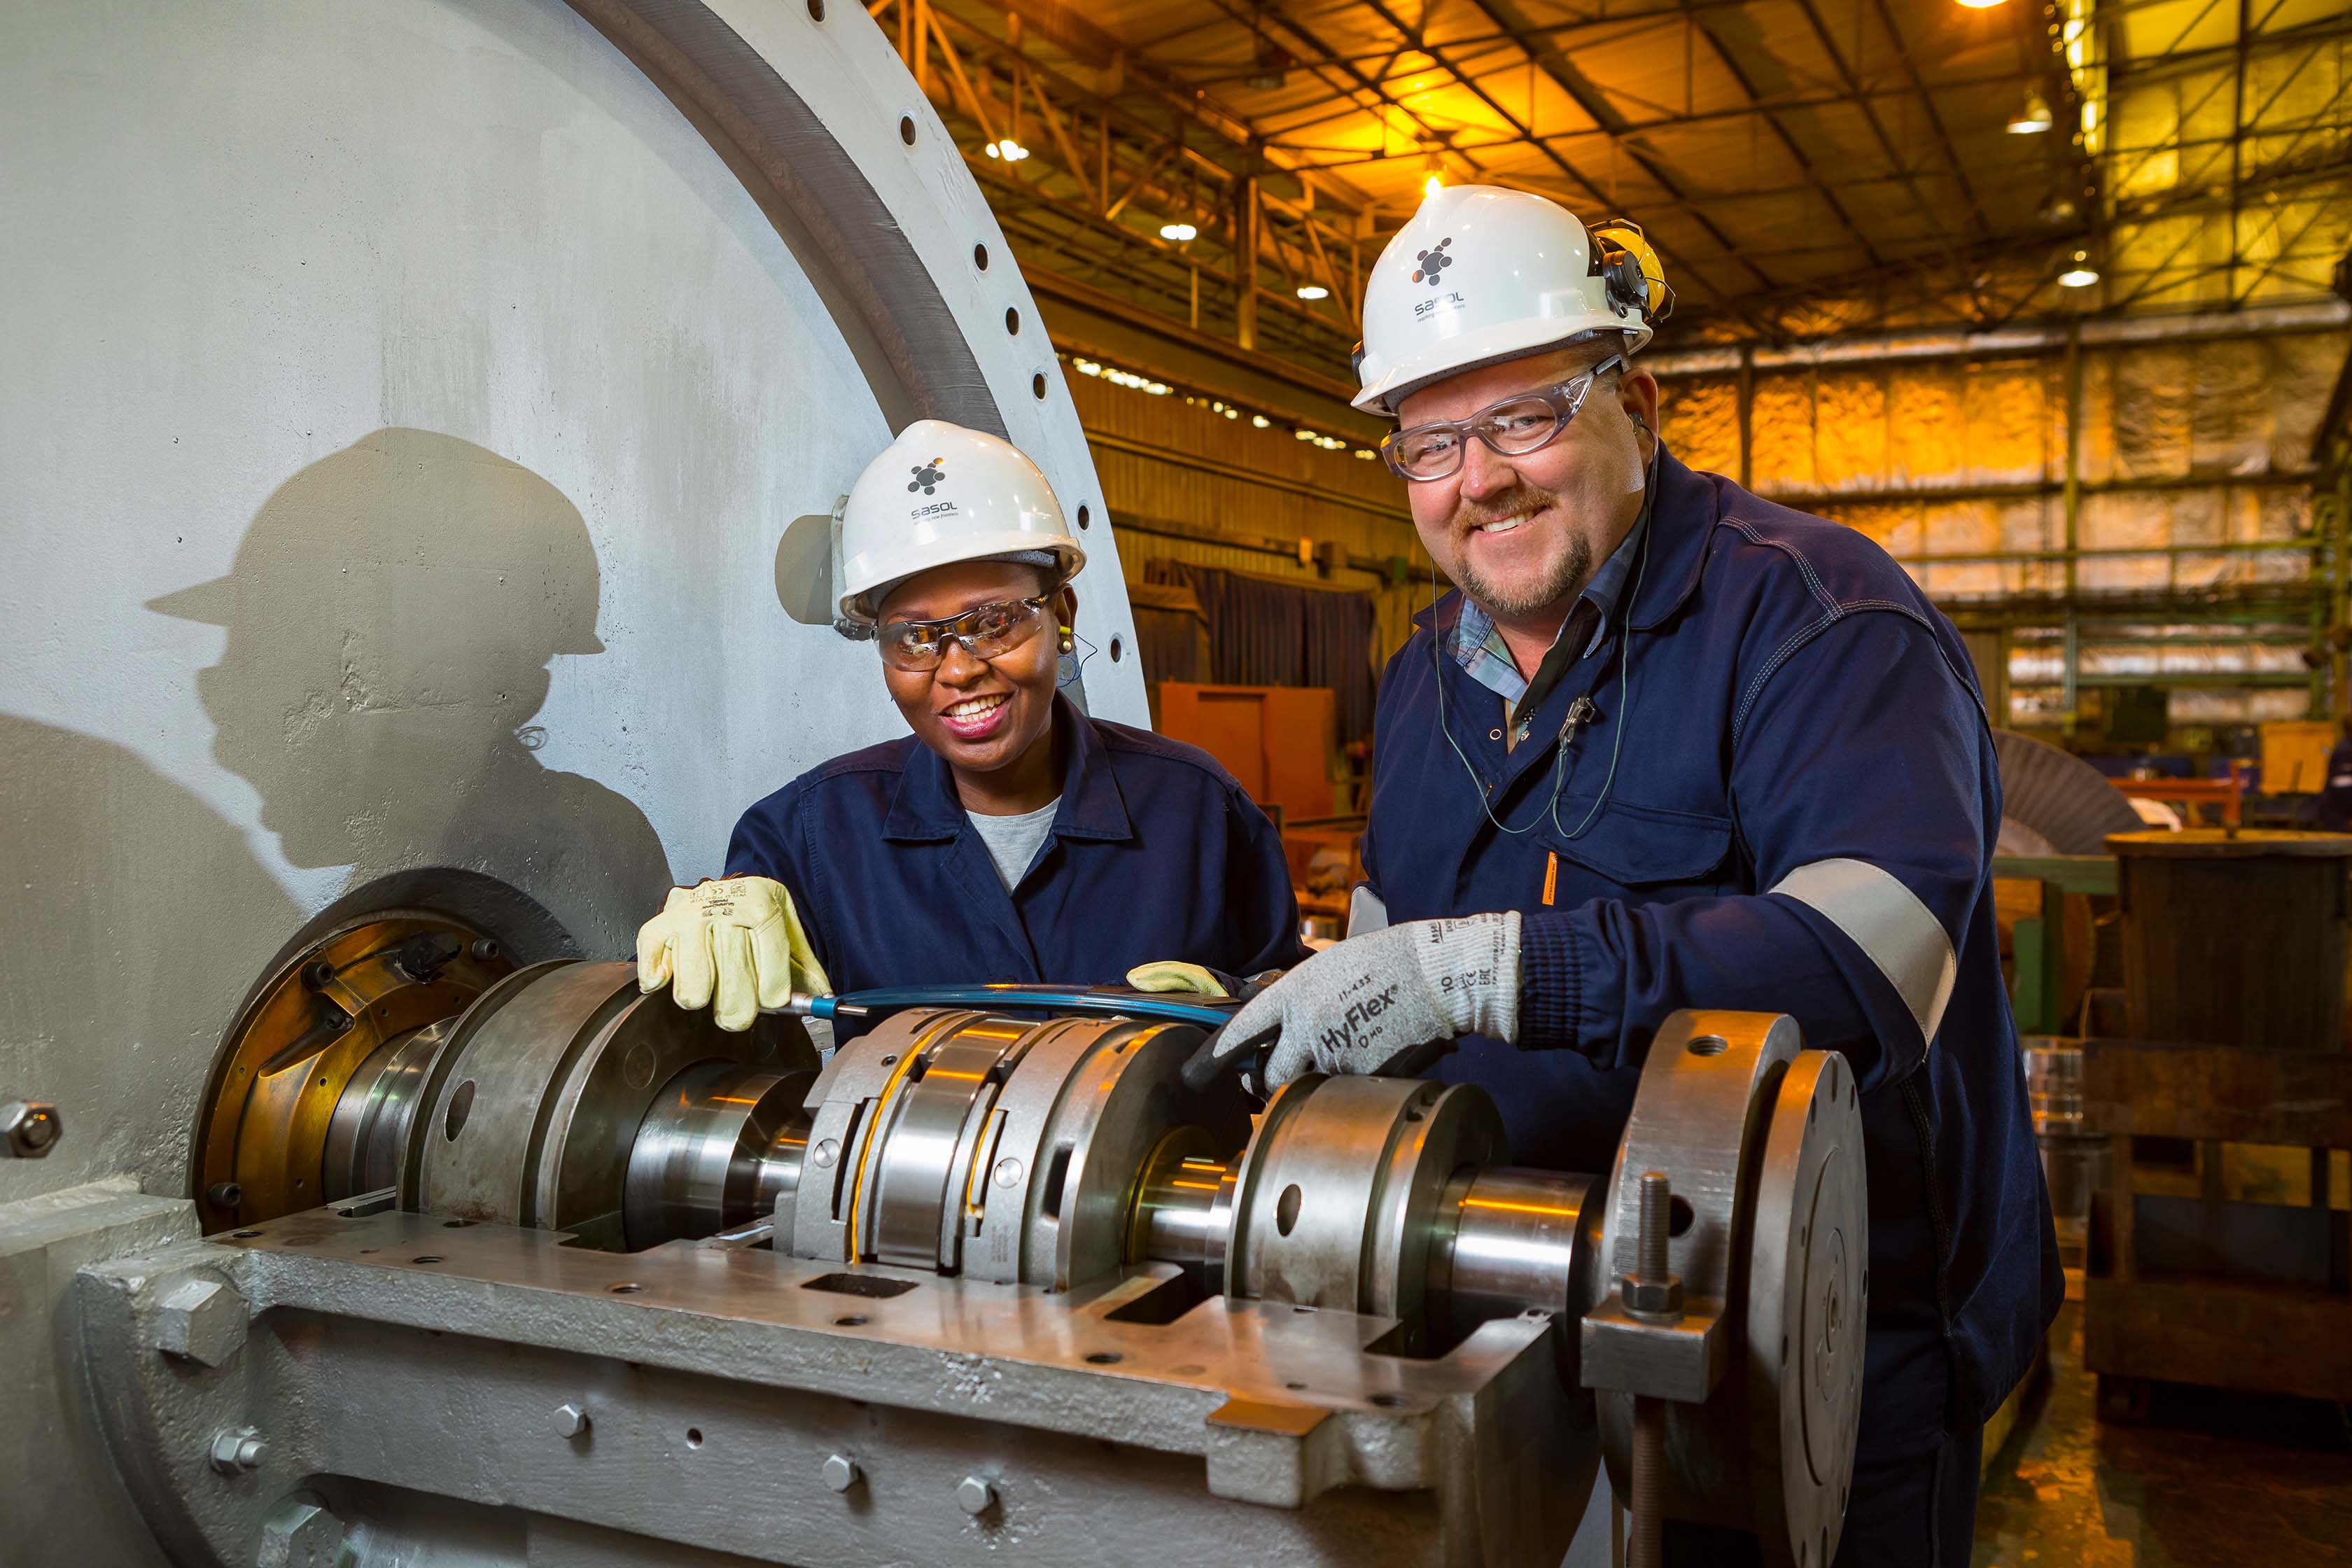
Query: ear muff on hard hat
x=941, y=494
x=1479, y=275
x=1635, y=272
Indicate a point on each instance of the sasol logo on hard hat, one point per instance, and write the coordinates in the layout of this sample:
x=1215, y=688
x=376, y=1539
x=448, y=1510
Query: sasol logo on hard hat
x=1431, y=271
x=927, y=476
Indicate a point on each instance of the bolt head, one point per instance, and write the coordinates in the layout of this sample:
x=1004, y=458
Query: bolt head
x=841, y=1473
x=201, y=1320
x=571, y=1420
x=29, y=1129
x=975, y=1495
x=236, y=1449
x=302, y=1534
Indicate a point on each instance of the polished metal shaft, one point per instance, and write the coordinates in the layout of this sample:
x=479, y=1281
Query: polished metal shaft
x=1184, y=1213
x=1510, y=1241
x=720, y=1144
x=368, y=1131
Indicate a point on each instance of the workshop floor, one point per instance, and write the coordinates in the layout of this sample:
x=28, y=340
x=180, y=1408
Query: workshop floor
x=2211, y=1478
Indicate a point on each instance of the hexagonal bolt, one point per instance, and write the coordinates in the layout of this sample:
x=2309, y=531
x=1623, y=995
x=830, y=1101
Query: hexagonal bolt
x=236, y=1449
x=1654, y=1291
x=29, y=1129
x=303, y=1533
x=201, y=1320
x=841, y=1473
x=975, y=1495
x=571, y=1421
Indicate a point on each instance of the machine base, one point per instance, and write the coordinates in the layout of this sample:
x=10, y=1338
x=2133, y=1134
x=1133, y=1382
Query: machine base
x=409, y=1377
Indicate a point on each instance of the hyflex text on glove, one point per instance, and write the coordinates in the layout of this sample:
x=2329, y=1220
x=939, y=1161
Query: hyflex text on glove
x=1359, y=1005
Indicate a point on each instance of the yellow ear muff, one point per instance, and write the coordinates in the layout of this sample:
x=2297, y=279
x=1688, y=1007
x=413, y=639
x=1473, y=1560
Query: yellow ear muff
x=1629, y=248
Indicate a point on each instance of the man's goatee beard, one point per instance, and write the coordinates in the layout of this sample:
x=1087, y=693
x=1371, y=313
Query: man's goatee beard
x=1574, y=568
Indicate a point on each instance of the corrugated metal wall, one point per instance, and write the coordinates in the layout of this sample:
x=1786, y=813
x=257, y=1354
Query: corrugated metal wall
x=1957, y=467
x=1172, y=466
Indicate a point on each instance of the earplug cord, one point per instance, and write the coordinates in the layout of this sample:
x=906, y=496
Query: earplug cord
x=1568, y=724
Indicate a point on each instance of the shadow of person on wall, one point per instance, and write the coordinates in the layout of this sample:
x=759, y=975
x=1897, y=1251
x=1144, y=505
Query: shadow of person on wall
x=391, y=615
x=136, y=915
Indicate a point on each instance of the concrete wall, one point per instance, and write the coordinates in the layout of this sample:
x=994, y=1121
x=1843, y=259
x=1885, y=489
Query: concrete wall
x=403, y=404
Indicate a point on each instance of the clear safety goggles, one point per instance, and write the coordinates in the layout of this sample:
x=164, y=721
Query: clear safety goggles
x=1522, y=423
x=987, y=631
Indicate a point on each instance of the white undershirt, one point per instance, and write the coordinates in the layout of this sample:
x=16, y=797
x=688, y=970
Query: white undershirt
x=1014, y=841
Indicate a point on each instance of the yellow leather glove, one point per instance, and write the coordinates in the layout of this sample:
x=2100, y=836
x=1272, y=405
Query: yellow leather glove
x=1174, y=975
x=737, y=938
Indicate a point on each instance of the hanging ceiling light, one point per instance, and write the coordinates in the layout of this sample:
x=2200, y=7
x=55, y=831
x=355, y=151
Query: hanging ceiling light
x=2081, y=275
x=2033, y=119
x=1979, y=4
x=1313, y=291
x=1006, y=147
x=1179, y=232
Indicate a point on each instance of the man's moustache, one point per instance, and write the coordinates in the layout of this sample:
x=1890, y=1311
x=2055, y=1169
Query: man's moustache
x=1525, y=501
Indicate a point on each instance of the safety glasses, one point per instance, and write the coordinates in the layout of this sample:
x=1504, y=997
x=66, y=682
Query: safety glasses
x=989, y=631
x=1517, y=426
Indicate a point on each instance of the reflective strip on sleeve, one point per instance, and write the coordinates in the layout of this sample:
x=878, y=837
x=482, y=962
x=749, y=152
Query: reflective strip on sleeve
x=1887, y=921
x=1366, y=912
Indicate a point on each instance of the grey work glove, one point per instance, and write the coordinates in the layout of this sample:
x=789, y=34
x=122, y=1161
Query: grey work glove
x=1360, y=1005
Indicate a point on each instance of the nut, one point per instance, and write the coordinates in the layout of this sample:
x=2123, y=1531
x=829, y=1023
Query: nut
x=29, y=1129
x=303, y=1533
x=571, y=1421
x=1654, y=1298
x=976, y=1496
x=841, y=1473
x=237, y=1448
x=201, y=1320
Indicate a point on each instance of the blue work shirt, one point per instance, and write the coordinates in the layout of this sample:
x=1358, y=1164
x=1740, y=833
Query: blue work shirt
x=1156, y=853
x=1787, y=803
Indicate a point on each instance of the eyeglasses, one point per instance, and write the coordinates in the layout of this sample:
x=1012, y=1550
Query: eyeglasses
x=986, y=632
x=1512, y=428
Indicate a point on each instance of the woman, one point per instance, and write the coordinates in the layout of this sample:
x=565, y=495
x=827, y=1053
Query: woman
x=1009, y=837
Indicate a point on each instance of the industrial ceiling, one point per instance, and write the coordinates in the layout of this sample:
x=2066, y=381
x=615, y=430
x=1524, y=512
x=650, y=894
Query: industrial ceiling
x=1806, y=167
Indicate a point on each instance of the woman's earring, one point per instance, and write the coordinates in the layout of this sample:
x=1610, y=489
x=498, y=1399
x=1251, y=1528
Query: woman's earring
x=1068, y=646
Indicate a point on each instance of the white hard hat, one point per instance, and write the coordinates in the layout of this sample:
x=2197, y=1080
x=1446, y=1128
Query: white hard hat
x=1481, y=274
x=941, y=493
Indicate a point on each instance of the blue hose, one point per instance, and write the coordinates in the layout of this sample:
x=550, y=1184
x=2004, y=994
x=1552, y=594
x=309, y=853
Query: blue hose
x=1207, y=1012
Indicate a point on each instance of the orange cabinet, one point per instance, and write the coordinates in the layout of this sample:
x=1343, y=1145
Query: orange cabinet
x=1278, y=741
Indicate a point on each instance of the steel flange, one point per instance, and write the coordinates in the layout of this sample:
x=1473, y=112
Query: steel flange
x=1761, y=1370
x=1808, y=1289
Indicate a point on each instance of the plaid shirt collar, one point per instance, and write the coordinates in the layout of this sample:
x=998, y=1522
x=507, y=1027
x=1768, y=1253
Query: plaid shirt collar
x=1478, y=645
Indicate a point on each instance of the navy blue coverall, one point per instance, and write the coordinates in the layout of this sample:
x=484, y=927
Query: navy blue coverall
x=1801, y=819
x=1156, y=853
x=2333, y=810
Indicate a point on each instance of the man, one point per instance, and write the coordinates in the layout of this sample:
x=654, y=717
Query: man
x=2334, y=807
x=1666, y=746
